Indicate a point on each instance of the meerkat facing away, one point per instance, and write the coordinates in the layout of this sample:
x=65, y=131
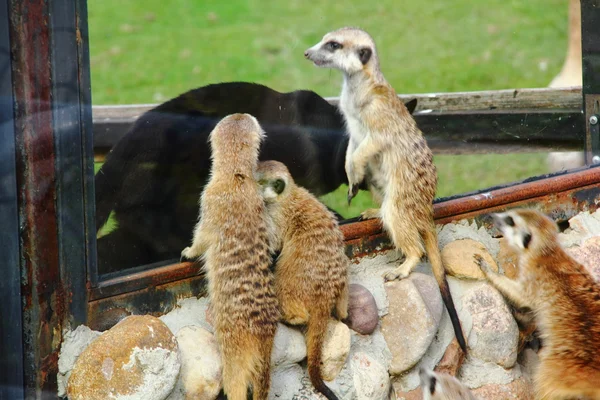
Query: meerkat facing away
x=438, y=386
x=387, y=148
x=311, y=272
x=565, y=300
x=232, y=238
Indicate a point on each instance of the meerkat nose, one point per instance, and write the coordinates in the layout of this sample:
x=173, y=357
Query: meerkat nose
x=306, y=54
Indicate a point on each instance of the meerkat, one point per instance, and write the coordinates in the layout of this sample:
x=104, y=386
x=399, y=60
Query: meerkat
x=564, y=298
x=232, y=238
x=439, y=386
x=387, y=148
x=311, y=272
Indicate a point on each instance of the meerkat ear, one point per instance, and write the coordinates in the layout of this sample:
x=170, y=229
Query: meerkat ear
x=411, y=105
x=364, y=55
x=526, y=240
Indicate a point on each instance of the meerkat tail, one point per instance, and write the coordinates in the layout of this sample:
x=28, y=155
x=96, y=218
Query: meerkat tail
x=315, y=335
x=433, y=253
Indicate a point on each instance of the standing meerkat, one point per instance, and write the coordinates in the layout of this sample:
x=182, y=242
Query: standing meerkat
x=232, y=238
x=387, y=148
x=564, y=298
x=438, y=386
x=311, y=272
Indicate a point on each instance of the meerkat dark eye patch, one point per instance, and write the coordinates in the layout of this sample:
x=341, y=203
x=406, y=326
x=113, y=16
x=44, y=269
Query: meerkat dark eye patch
x=364, y=55
x=333, y=46
x=278, y=186
x=526, y=240
x=509, y=221
x=432, y=383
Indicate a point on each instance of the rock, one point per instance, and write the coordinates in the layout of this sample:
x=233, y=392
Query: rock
x=519, y=389
x=201, y=367
x=457, y=257
x=464, y=230
x=136, y=359
x=475, y=373
x=371, y=379
x=399, y=394
x=336, y=347
x=495, y=334
x=289, y=346
x=588, y=254
x=451, y=360
x=362, y=310
x=189, y=311
x=286, y=382
x=508, y=259
x=74, y=342
x=581, y=227
x=414, y=313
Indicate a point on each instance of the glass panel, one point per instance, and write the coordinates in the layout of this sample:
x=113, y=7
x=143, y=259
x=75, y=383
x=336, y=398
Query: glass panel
x=145, y=52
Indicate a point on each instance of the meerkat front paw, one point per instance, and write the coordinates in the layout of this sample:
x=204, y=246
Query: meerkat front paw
x=485, y=268
x=370, y=213
x=352, y=192
x=395, y=274
x=186, y=255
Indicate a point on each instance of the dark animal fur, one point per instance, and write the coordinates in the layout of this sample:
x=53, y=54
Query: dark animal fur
x=152, y=178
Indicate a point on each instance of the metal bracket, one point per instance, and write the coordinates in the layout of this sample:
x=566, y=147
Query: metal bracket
x=592, y=111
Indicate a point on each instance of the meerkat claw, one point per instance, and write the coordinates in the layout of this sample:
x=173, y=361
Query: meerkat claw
x=184, y=255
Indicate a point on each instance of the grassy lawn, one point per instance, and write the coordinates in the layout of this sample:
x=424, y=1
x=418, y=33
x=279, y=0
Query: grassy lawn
x=148, y=51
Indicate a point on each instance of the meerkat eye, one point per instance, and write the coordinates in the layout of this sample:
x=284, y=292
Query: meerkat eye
x=333, y=46
x=278, y=186
x=509, y=221
x=432, y=383
x=526, y=240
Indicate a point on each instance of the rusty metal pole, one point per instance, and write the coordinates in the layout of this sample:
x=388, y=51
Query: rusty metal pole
x=51, y=110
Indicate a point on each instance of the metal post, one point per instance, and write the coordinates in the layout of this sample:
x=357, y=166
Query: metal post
x=590, y=47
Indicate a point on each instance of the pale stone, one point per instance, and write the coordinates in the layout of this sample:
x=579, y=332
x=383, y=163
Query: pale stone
x=414, y=313
x=286, y=382
x=289, y=346
x=371, y=379
x=74, y=342
x=201, y=367
x=399, y=394
x=519, y=389
x=458, y=259
x=189, y=311
x=362, y=310
x=588, y=255
x=336, y=347
x=475, y=373
x=136, y=359
x=495, y=334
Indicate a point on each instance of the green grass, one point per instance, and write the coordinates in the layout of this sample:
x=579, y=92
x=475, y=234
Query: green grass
x=148, y=51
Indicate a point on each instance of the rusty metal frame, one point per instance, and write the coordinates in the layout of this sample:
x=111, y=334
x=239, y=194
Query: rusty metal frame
x=50, y=114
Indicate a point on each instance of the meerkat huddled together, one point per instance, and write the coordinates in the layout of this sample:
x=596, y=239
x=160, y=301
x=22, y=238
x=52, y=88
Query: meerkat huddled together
x=311, y=272
x=564, y=298
x=233, y=239
x=388, y=150
x=248, y=211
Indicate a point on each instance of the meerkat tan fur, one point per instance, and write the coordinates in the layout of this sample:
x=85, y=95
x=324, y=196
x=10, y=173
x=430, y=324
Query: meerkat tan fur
x=439, y=386
x=311, y=272
x=232, y=238
x=387, y=148
x=565, y=301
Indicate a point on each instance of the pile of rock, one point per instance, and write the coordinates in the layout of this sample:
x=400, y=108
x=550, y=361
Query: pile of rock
x=396, y=328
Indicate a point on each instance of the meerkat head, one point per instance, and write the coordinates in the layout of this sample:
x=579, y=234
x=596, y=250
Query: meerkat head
x=437, y=386
x=235, y=133
x=526, y=229
x=274, y=179
x=350, y=50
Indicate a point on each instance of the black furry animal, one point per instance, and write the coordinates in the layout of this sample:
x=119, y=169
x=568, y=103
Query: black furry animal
x=152, y=178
